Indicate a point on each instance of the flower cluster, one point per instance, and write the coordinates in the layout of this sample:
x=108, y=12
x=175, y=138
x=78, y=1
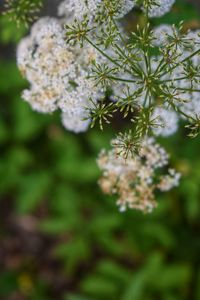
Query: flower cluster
x=168, y=121
x=87, y=66
x=22, y=11
x=79, y=9
x=157, y=90
x=159, y=7
x=57, y=73
x=136, y=179
x=183, y=78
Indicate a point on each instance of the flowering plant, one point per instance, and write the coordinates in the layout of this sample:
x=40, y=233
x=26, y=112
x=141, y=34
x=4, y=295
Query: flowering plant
x=87, y=65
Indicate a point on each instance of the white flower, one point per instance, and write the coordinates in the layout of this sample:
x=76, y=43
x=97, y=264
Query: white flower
x=74, y=122
x=160, y=34
x=57, y=73
x=135, y=179
x=192, y=107
x=161, y=8
x=78, y=9
x=192, y=99
x=168, y=121
x=41, y=99
x=169, y=181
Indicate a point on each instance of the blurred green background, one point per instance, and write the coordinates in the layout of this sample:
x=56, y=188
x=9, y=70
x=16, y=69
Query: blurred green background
x=60, y=237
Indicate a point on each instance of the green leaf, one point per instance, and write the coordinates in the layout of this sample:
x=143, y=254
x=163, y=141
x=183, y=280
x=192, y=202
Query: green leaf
x=27, y=124
x=110, y=269
x=33, y=189
x=8, y=283
x=76, y=297
x=99, y=287
x=135, y=288
x=73, y=253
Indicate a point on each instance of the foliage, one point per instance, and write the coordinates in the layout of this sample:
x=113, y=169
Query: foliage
x=22, y=12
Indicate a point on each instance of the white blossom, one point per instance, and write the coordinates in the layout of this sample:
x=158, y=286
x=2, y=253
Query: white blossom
x=160, y=34
x=57, y=73
x=169, y=181
x=161, y=8
x=135, y=179
x=78, y=9
x=74, y=122
x=168, y=120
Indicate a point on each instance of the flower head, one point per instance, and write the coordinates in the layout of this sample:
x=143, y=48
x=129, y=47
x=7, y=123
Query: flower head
x=136, y=179
x=57, y=73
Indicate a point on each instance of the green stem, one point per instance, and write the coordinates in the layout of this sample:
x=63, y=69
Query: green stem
x=107, y=56
x=146, y=97
x=184, y=60
x=146, y=62
x=158, y=67
x=181, y=112
x=134, y=67
x=103, y=53
x=121, y=79
x=188, y=90
x=175, y=79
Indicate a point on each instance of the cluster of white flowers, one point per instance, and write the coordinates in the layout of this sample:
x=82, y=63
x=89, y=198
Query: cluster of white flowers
x=78, y=9
x=57, y=73
x=190, y=103
x=190, y=99
x=136, y=179
x=177, y=81
x=160, y=34
x=60, y=79
x=168, y=122
x=161, y=8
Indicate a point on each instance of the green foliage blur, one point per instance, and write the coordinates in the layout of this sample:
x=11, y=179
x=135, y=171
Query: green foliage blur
x=60, y=237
